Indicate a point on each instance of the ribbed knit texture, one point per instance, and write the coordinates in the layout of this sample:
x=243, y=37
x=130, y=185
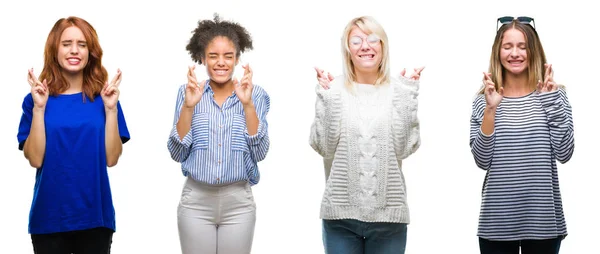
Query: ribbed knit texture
x=363, y=135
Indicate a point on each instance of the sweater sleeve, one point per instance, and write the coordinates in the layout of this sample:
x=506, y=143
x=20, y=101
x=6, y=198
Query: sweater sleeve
x=179, y=149
x=482, y=146
x=405, y=121
x=326, y=128
x=560, y=122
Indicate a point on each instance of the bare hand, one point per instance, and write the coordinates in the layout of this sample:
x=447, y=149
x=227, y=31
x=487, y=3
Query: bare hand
x=415, y=76
x=110, y=92
x=492, y=97
x=548, y=85
x=193, y=89
x=243, y=88
x=39, y=90
x=324, y=80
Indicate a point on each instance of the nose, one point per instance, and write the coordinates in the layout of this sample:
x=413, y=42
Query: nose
x=364, y=46
x=514, y=52
x=74, y=50
x=221, y=61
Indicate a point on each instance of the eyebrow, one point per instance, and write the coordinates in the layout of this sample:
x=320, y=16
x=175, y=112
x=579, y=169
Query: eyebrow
x=72, y=41
x=510, y=43
x=227, y=53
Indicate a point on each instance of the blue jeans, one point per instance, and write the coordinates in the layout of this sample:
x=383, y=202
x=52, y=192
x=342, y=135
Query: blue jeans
x=357, y=237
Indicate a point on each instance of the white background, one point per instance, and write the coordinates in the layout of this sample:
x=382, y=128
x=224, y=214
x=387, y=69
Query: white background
x=452, y=39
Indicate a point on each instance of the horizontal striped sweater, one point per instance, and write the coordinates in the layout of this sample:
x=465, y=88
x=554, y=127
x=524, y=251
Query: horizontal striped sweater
x=521, y=197
x=363, y=135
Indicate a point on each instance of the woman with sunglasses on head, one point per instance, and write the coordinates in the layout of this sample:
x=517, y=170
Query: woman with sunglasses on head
x=365, y=125
x=520, y=126
x=219, y=134
x=71, y=130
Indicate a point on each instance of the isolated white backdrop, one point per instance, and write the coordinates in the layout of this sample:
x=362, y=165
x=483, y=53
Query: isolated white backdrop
x=451, y=38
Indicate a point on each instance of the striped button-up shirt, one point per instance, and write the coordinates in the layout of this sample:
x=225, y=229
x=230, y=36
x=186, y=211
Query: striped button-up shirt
x=218, y=148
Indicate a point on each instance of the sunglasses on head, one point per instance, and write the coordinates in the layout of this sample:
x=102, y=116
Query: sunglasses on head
x=508, y=19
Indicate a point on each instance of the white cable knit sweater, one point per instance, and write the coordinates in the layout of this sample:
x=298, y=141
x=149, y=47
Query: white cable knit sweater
x=363, y=136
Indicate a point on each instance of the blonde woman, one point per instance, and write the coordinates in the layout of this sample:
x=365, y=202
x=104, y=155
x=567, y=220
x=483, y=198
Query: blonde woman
x=521, y=125
x=365, y=125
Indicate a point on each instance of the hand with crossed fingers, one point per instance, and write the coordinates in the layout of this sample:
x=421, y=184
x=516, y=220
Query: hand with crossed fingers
x=110, y=92
x=243, y=88
x=548, y=85
x=39, y=90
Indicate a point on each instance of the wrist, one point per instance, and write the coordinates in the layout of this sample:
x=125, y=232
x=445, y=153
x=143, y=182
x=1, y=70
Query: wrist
x=110, y=110
x=39, y=110
x=187, y=109
x=248, y=106
x=490, y=108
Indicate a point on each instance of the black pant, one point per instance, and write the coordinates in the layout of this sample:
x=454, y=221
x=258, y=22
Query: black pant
x=89, y=241
x=549, y=246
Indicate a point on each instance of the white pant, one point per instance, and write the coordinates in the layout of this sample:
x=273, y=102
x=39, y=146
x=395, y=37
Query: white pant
x=216, y=219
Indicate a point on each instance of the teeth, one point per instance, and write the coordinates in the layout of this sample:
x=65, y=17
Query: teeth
x=221, y=72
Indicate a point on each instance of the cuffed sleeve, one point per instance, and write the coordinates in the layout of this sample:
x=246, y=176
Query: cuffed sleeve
x=259, y=143
x=179, y=149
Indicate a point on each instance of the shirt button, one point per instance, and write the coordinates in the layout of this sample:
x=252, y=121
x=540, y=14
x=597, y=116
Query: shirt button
x=218, y=179
x=219, y=144
x=219, y=161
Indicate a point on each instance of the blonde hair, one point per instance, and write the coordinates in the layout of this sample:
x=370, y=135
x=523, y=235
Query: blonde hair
x=536, y=58
x=368, y=25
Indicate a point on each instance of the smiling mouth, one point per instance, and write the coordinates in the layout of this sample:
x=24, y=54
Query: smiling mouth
x=515, y=62
x=74, y=61
x=367, y=56
x=220, y=72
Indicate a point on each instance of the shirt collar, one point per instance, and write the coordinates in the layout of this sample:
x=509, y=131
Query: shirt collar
x=207, y=87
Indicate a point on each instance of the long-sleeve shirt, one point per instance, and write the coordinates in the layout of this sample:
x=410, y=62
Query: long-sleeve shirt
x=521, y=195
x=363, y=134
x=218, y=149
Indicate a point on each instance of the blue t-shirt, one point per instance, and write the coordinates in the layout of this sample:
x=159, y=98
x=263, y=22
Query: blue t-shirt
x=72, y=190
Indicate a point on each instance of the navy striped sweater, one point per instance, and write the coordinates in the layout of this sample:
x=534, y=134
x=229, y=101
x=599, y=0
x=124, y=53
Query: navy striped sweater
x=521, y=196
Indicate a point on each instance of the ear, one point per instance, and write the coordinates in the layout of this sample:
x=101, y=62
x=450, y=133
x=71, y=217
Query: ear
x=237, y=61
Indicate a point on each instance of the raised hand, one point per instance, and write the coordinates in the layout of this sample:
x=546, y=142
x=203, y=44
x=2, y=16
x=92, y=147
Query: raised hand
x=492, y=97
x=39, y=90
x=548, y=85
x=110, y=92
x=193, y=89
x=324, y=80
x=415, y=76
x=243, y=88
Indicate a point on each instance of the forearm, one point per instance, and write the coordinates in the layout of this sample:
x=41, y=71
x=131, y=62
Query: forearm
x=35, y=145
x=251, y=119
x=489, y=120
x=184, y=124
x=113, y=143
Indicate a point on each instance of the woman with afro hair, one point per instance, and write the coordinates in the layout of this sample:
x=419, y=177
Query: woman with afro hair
x=219, y=134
